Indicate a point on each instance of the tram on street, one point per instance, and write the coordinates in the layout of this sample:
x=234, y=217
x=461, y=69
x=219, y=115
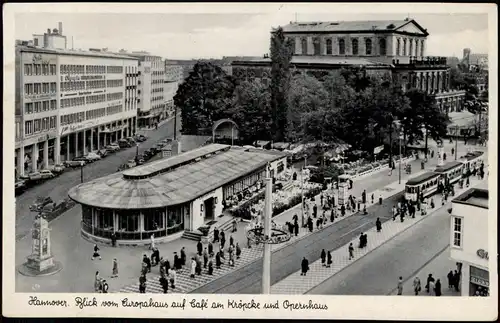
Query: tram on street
x=472, y=160
x=423, y=185
x=451, y=172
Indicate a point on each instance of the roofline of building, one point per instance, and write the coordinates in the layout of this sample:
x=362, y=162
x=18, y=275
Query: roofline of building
x=28, y=49
x=316, y=65
x=463, y=198
x=368, y=31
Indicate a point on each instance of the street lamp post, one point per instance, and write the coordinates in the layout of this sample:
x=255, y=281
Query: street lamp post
x=456, y=142
x=136, y=153
x=266, y=259
x=400, y=158
x=81, y=171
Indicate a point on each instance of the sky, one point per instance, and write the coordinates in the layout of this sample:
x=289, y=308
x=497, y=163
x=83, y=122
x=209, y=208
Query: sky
x=189, y=34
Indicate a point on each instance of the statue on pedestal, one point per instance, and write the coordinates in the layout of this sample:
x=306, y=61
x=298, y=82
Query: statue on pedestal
x=41, y=261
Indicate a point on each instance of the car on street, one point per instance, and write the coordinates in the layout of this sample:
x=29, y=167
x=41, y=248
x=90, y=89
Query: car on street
x=34, y=176
x=40, y=202
x=92, y=157
x=58, y=169
x=113, y=147
x=46, y=174
x=75, y=163
x=20, y=187
x=102, y=152
x=123, y=143
x=140, y=138
x=131, y=163
x=131, y=140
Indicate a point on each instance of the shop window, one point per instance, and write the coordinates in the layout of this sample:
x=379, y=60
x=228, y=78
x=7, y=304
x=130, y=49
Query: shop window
x=153, y=219
x=457, y=232
x=128, y=221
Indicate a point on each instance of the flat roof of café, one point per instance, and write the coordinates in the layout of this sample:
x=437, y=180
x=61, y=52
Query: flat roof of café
x=174, y=180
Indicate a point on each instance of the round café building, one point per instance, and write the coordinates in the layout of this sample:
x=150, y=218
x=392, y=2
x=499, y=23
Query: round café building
x=171, y=196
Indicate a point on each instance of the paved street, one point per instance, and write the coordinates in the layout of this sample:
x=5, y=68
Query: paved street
x=58, y=187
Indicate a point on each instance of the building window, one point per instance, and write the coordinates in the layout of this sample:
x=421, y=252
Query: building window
x=341, y=47
x=28, y=127
x=457, y=232
x=368, y=46
x=382, y=46
x=28, y=108
x=355, y=47
x=53, y=69
x=292, y=45
x=404, y=47
x=398, y=47
x=28, y=69
x=316, y=46
x=304, y=46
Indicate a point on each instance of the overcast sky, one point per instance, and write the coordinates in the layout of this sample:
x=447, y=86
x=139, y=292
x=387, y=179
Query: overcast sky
x=194, y=35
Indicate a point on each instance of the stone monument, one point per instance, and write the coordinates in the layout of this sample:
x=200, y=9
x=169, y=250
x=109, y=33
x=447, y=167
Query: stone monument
x=41, y=261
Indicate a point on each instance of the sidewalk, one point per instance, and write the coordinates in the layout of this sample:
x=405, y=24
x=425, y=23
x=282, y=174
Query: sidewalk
x=297, y=284
x=439, y=267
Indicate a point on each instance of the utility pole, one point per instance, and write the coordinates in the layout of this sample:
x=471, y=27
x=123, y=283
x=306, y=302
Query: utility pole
x=400, y=158
x=175, y=122
x=456, y=142
x=81, y=171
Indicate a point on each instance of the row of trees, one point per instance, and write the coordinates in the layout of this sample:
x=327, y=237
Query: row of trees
x=345, y=105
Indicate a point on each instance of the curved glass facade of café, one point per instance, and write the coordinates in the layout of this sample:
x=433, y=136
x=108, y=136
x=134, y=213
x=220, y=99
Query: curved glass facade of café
x=169, y=196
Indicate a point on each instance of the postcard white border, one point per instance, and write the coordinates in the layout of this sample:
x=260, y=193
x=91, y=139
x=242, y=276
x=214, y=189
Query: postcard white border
x=339, y=307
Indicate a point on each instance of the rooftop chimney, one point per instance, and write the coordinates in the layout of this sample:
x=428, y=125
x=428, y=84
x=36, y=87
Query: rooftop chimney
x=60, y=28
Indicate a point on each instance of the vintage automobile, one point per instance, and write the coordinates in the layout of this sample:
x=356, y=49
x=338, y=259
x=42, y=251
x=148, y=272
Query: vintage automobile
x=75, y=163
x=113, y=147
x=140, y=138
x=40, y=202
x=102, y=152
x=92, y=157
x=20, y=187
x=58, y=169
x=46, y=174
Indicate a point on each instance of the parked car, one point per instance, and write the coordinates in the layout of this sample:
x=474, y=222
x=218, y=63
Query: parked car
x=40, y=202
x=75, y=163
x=131, y=140
x=35, y=176
x=140, y=138
x=46, y=174
x=102, y=152
x=58, y=169
x=124, y=143
x=20, y=187
x=92, y=157
x=131, y=163
x=113, y=147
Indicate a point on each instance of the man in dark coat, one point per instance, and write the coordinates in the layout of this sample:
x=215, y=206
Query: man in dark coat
x=199, y=246
x=304, y=266
x=218, y=262
x=177, y=262
x=113, y=239
x=450, y=279
x=205, y=258
x=216, y=235
x=378, y=224
x=210, y=249
x=363, y=197
x=315, y=211
x=147, y=261
x=437, y=287
x=342, y=210
x=296, y=227
x=183, y=257
x=456, y=281
x=332, y=215
x=310, y=224
x=323, y=257
x=222, y=239
x=167, y=266
x=361, y=237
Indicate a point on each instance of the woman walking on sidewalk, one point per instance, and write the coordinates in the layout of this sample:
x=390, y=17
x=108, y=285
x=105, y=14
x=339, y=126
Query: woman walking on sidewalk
x=323, y=257
x=400, y=286
x=329, y=260
x=115, y=268
x=417, y=285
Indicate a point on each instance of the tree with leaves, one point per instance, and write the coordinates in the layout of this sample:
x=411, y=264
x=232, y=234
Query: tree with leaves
x=204, y=97
x=281, y=56
x=428, y=115
x=251, y=110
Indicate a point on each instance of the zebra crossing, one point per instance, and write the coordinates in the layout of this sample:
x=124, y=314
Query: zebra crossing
x=185, y=284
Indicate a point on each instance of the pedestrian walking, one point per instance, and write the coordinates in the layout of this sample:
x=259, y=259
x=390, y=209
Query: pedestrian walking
x=351, y=251
x=193, y=267
x=329, y=259
x=373, y=198
x=210, y=249
x=235, y=226
x=380, y=199
x=456, y=281
x=315, y=211
x=142, y=284
x=96, y=252
x=321, y=199
x=296, y=228
x=199, y=247
x=364, y=210
x=216, y=235
x=198, y=265
x=164, y=284
x=342, y=210
x=97, y=282
x=177, y=262
x=363, y=197
x=183, y=256
x=231, y=241
x=437, y=288
x=450, y=277
x=205, y=258
x=378, y=224
x=304, y=266
x=430, y=281
x=173, y=278
x=222, y=239
x=152, y=238
x=417, y=285
x=332, y=215
x=238, y=251
x=310, y=224
x=115, y=268
x=105, y=287
x=361, y=237
x=323, y=258
x=218, y=261
x=210, y=266
x=147, y=262
x=400, y=286
x=113, y=239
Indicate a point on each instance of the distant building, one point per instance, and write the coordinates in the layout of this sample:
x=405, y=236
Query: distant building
x=151, y=106
x=469, y=240
x=395, y=49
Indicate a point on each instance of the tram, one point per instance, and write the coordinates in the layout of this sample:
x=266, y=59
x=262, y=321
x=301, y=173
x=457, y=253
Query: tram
x=450, y=173
x=423, y=185
x=472, y=160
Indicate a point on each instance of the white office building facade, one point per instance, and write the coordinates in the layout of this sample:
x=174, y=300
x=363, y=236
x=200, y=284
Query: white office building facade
x=69, y=103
